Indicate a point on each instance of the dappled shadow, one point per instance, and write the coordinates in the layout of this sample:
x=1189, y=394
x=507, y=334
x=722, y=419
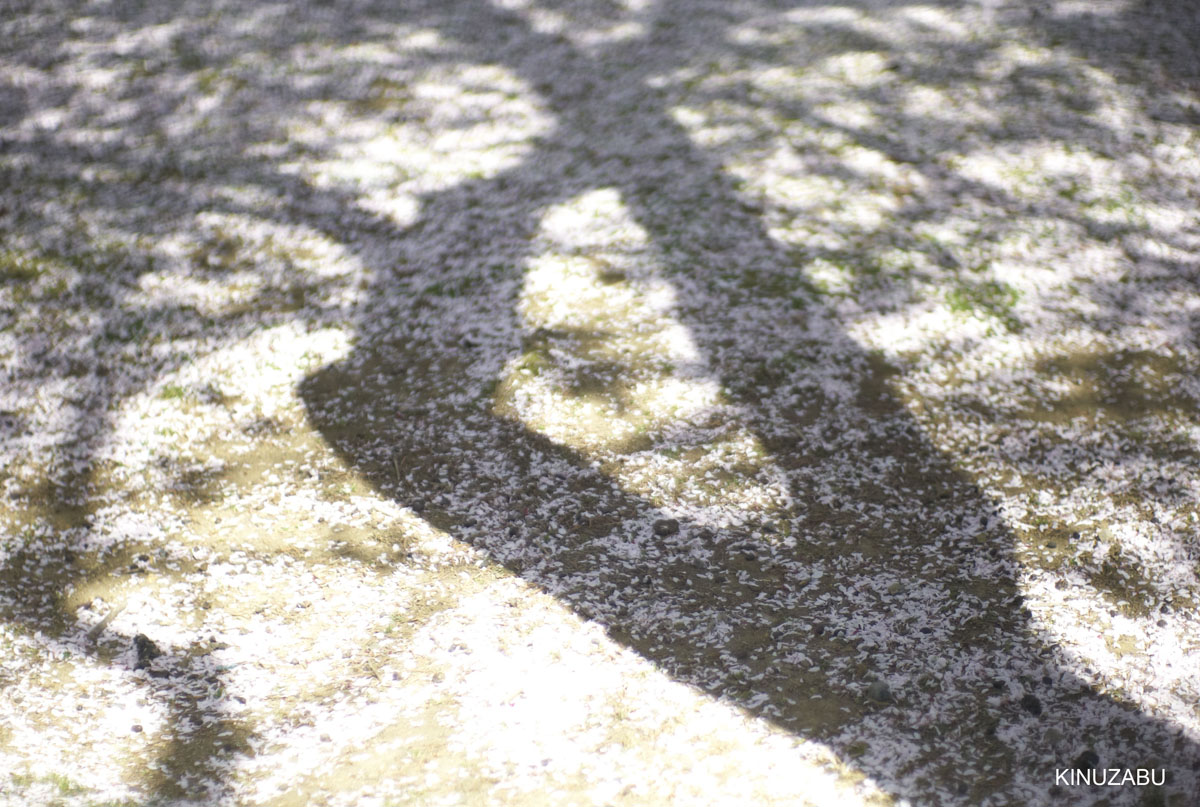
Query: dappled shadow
x=889, y=565
x=880, y=561
x=1159, y=35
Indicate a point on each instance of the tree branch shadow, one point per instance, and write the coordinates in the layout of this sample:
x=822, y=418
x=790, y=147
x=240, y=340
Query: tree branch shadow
x=739, y=612
x=784, y=604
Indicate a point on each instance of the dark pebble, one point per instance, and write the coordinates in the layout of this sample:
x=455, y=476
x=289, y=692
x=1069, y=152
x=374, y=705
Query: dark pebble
x=666, y=526
x=1088, y=760
x=137, y=729
x=146, y=650
x=1047, y=680
x=1031, y=704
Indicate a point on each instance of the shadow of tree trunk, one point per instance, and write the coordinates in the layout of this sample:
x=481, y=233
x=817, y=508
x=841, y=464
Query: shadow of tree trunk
x=889, y=566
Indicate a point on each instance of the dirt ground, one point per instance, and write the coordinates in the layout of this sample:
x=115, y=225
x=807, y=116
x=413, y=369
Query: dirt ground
x=599, y=403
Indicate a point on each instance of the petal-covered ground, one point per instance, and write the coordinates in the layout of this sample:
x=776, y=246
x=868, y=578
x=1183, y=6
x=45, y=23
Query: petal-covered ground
x=599, y=403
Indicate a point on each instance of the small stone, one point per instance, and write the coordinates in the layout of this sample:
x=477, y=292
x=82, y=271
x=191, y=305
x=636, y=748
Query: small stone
x=137, y=728
x=666, y=526
x=880, y=691
x=1031, y=704
x=146, y=650
x=1086, y=761
x=325, y=738
x=894, y=587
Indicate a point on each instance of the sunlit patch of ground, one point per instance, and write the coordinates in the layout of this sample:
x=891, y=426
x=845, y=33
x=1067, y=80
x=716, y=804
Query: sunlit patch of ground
x=597, y=403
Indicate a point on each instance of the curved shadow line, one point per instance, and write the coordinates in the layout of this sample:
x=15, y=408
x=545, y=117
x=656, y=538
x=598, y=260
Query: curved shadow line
x=648, y=584
x=966, y=644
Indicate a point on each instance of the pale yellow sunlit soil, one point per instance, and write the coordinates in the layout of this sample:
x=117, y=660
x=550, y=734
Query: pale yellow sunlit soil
x=639, y=402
